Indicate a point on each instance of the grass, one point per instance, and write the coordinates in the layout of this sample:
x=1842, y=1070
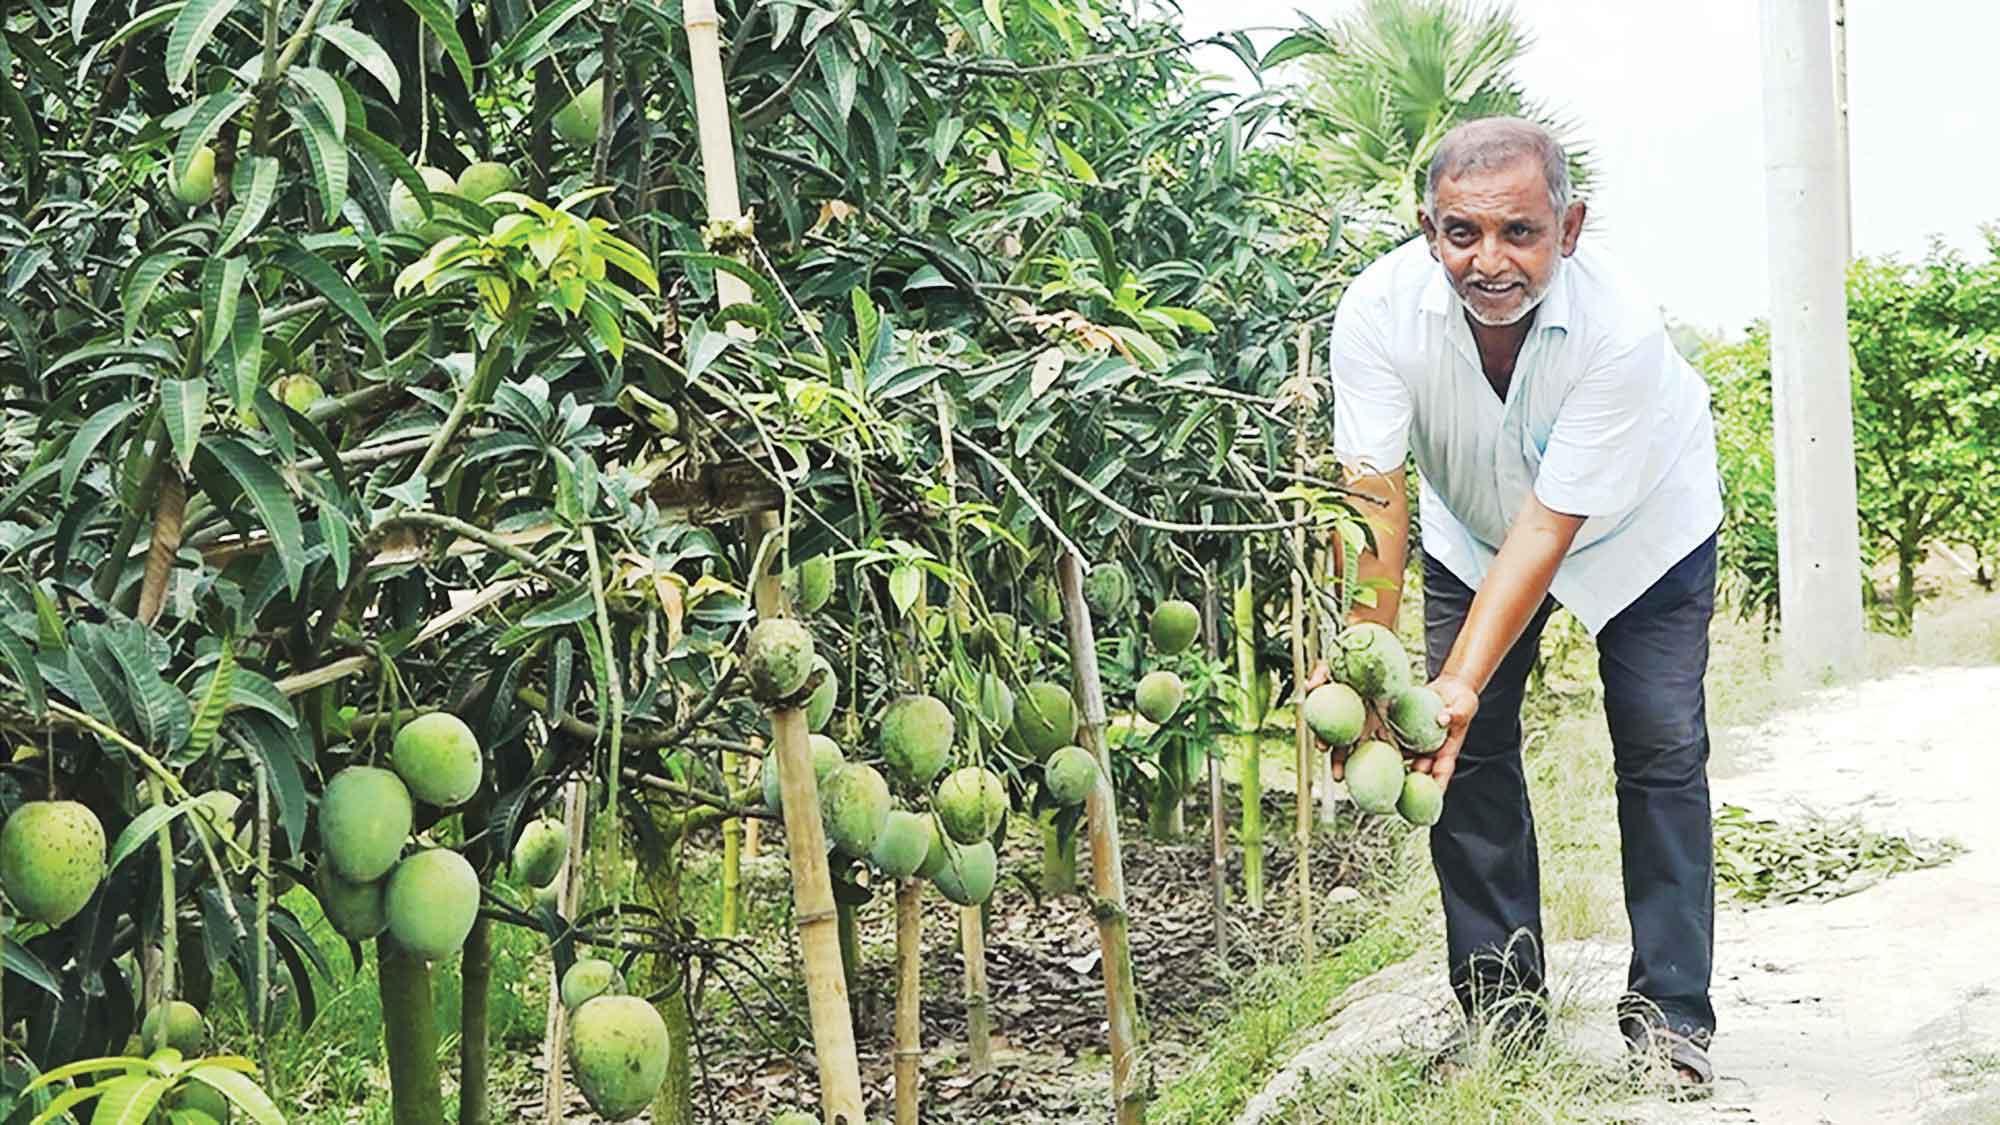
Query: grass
x=1568, y=753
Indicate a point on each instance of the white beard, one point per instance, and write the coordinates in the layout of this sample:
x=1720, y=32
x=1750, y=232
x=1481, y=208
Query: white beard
x=1528, y=304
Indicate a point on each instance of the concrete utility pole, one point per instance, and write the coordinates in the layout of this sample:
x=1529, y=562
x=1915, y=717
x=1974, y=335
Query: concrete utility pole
x=1819, y=545
x=1840, y=103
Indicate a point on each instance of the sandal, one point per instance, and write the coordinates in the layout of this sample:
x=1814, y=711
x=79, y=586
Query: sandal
x=1676, y=1064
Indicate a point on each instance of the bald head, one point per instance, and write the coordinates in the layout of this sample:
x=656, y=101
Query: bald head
x=1492, y=143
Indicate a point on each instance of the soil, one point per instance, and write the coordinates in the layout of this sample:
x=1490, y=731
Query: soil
x=1880, y=1006
x=1049, y=1033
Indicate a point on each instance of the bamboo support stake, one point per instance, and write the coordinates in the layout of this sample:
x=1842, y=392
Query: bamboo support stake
x=1302, y=736
x=569, y=889
x=1107, y=865
x=1218, y=812
x=909, y=998
x=753, y=829
x=971, y=927
x=718, y=149
x=812, y=886
x=1250, y=778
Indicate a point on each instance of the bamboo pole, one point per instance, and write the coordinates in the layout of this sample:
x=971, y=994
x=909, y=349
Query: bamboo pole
x=971, y=927
x=1302, y=737
x=1250, y=778
x=718, y=149
x=909, y=998
x=812, y=886
x=1107, y=865
x=569, y=888
x=1218, y=812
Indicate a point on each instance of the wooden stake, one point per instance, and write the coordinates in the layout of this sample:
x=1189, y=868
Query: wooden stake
x=1218, y=812
x=718, y=149
x=909, y=998
x=1107, y=864
x=1302, y=736
x=978, y=1017
x=812, y=886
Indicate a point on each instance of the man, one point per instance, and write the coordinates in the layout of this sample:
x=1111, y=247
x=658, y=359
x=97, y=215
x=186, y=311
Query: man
x=1566, y=454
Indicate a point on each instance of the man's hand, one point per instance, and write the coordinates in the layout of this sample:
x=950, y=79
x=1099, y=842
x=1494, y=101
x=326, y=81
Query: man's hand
x=1461, y=703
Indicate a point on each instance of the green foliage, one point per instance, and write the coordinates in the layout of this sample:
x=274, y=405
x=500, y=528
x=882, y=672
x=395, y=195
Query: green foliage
x=1926, y=406
x=1813, y=859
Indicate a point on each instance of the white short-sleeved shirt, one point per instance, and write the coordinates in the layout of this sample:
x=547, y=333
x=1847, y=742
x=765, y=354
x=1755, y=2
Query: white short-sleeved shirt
x=1603, y=419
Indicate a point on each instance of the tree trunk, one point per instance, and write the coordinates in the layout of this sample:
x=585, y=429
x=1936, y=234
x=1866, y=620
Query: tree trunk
x=1906, y=586
x=1250, y=780
x=410, y=1034
x=1128, y=1087
x=850, y=951
x=476, y=978
x=1163, y=811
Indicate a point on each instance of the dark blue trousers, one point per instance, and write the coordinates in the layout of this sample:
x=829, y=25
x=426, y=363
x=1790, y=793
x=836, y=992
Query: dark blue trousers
x=1652, y=657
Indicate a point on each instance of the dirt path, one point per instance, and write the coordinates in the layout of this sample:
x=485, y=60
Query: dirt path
x=1883, y=1006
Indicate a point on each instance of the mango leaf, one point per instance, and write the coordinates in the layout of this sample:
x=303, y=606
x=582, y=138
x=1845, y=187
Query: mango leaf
x=163, y=712
x=250, y=690
x=281, y=749
x=906, y=581
x=145, y=828
x=184, y=407
x=142, y=283
x=242, y=1093
x=208, y=118
x=526, y=46
x=324, y=93
x=192, y=29
x=443, y=23
x=313, y=270
x=21, y=662
x=130, y=1100
x=221, y=283
x=151, y=18
x=327, y=154
x=211, y=702
x=88, y=437
x=367, y=54
x=17, y=322
x=268, y=494
x=253, y=201
x=1078, y=166
x=24, y=964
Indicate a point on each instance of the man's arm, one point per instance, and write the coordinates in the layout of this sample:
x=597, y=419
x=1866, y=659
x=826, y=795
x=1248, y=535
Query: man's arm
x=1384, y=500
x=1506, y=601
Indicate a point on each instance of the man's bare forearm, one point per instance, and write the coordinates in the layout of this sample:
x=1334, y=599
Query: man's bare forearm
x=1513, y=590
x=1385, y=503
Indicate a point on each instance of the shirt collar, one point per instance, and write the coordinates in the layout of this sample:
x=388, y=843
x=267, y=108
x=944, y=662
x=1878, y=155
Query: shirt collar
x=1554, y=311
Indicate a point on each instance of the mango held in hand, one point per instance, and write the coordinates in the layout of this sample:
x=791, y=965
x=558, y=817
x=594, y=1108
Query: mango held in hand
x=1375, y=777
x=779, y=659
x=539, y=853
x=971, y=804
x=904, y=844
x=51, y=859
x=1413, y=715
x=438, y=758
x=364, y=816
x=1173, y=626
x=1044, y=719
x=432, y=901
x=854, y=804
x=587, y=979
x=1335, y=713
x=917, y=732
x=1370, y=659
x=967, y=874
x=1422, y=802
x=1069, y=775
x=1159, y=695
x=618, y=1049
x=177, y=1024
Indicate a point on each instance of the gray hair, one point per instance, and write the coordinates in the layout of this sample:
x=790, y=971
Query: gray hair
x=1495, y=142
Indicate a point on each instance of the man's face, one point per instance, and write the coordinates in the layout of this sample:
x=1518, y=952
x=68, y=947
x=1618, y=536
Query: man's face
x=1500, y=240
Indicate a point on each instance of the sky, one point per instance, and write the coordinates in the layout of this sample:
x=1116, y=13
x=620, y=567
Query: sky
x=1669, y=97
